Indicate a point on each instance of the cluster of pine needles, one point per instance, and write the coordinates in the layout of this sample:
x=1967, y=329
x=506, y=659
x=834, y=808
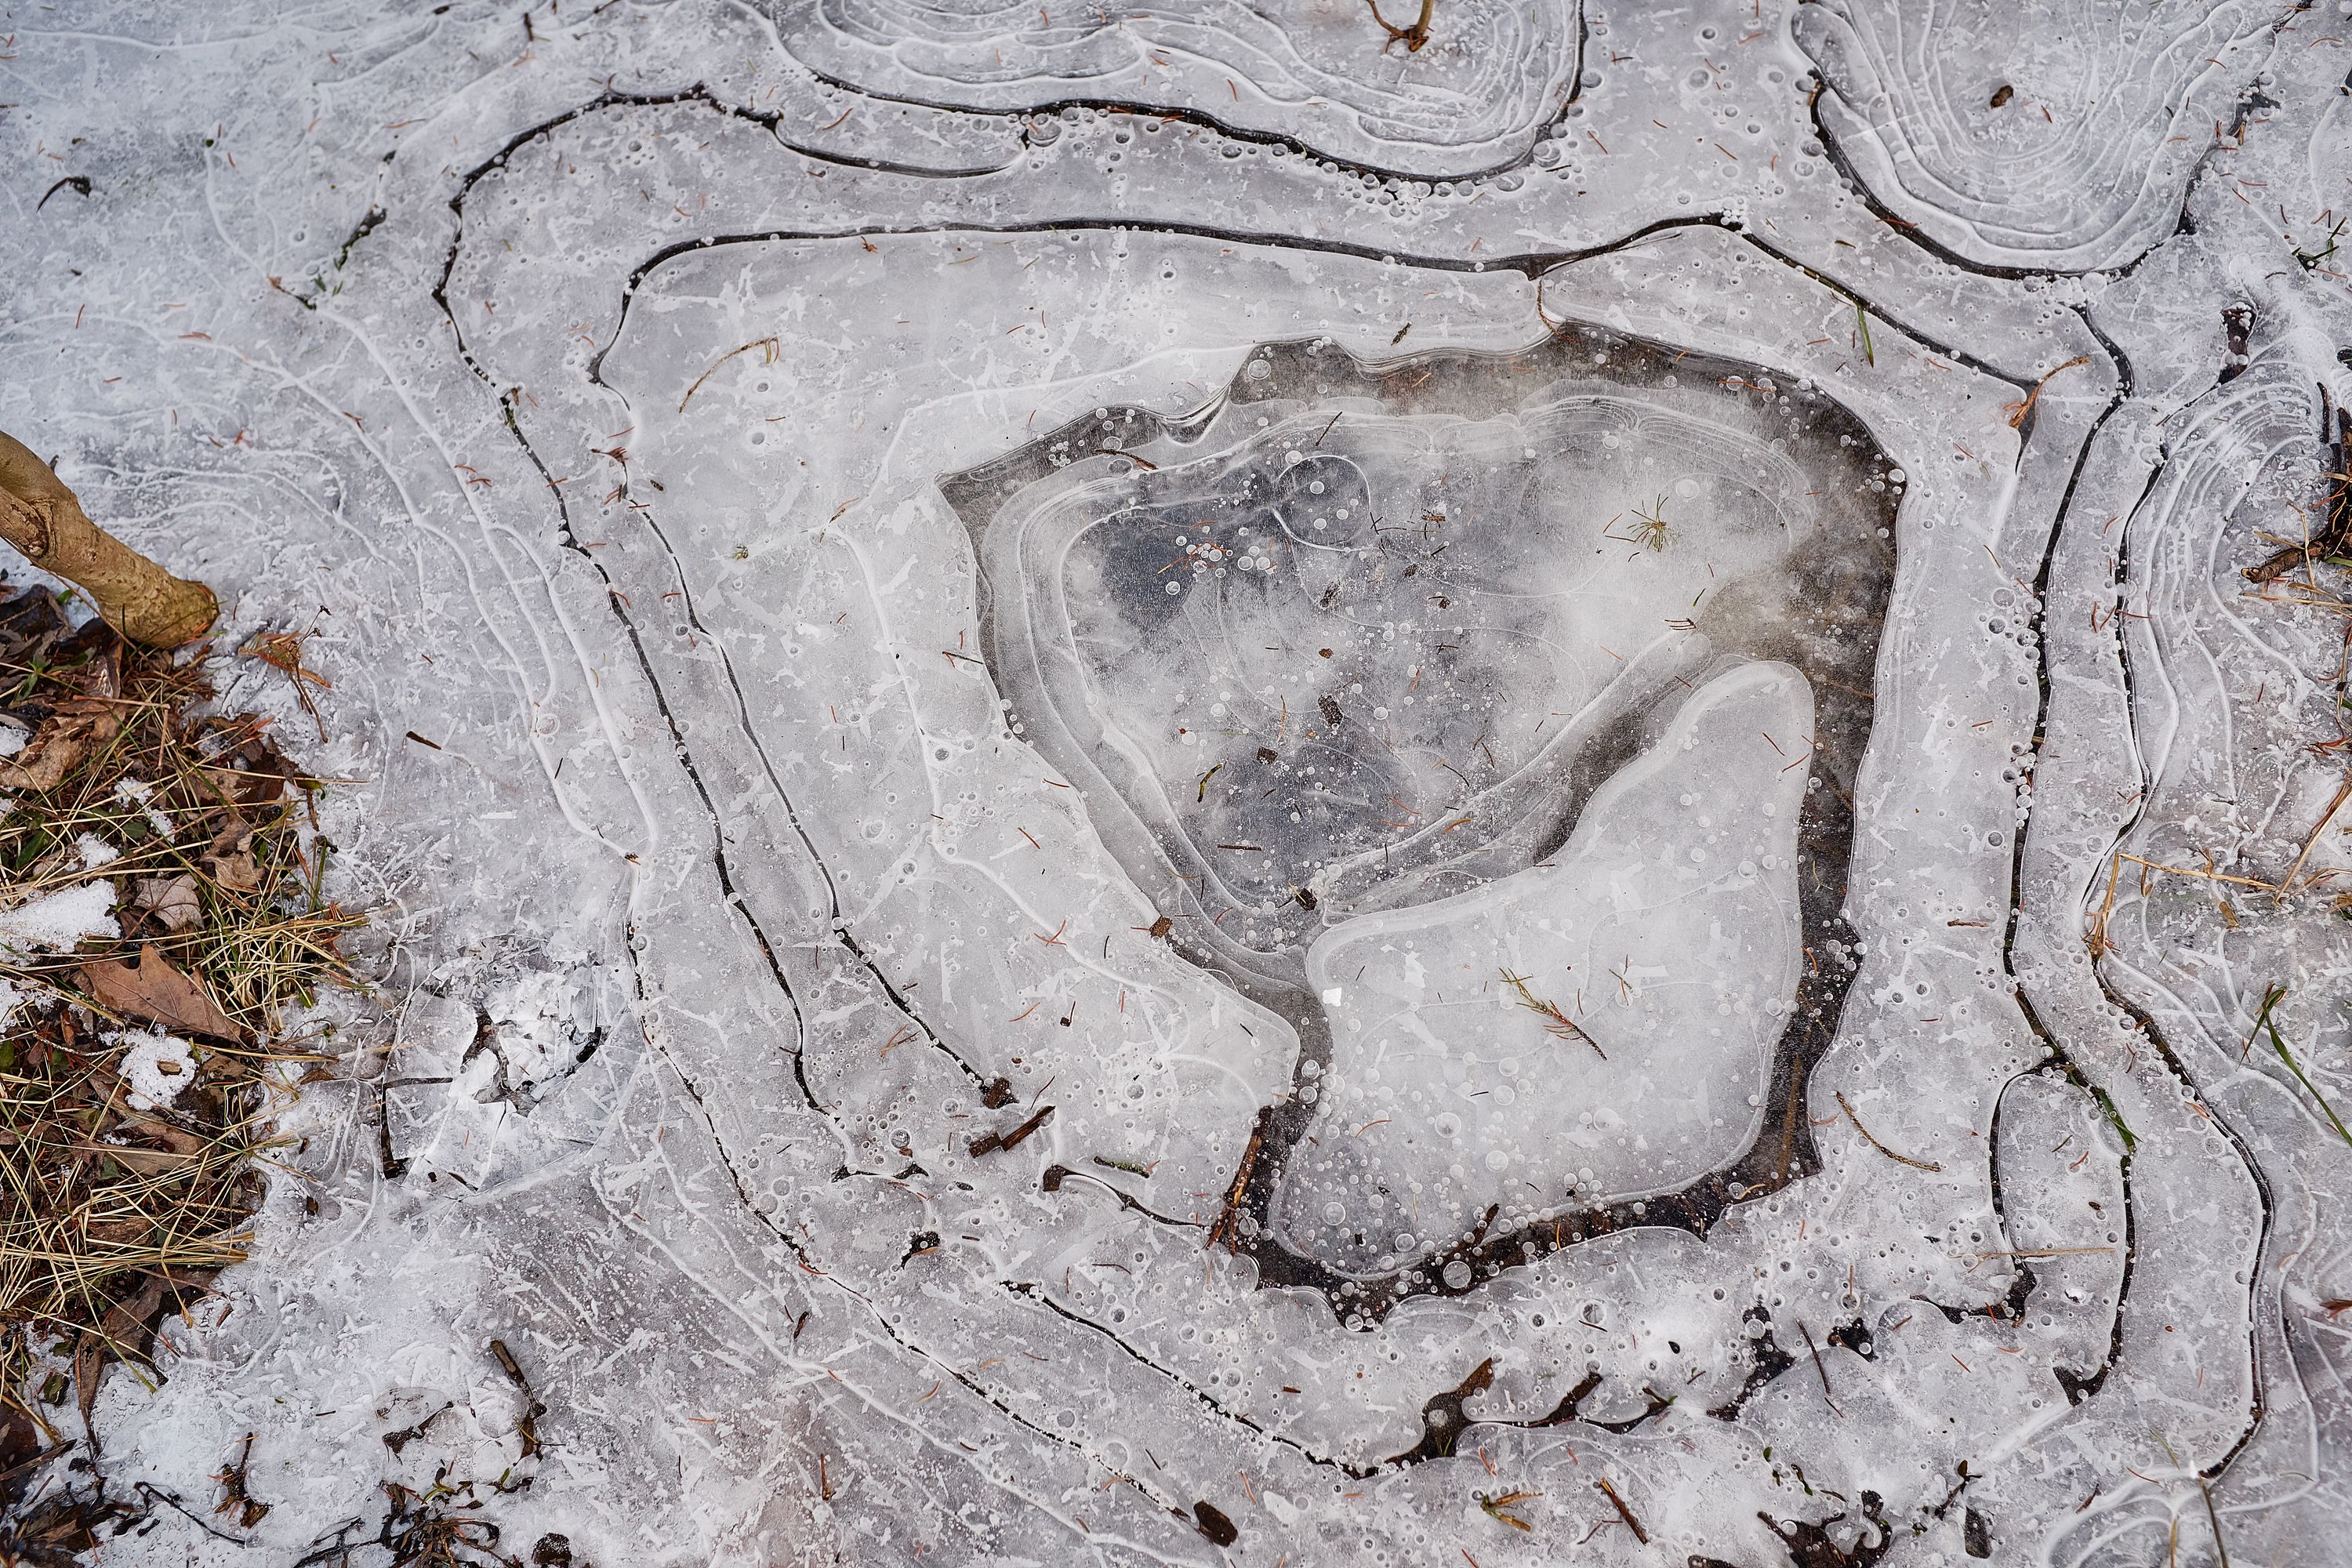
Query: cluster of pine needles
x=117, y=1210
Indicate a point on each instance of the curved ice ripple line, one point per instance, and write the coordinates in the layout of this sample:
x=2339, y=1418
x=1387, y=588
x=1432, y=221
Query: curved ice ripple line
x=2203, y=748
x=2084, y=165
x=2055, y=1497
x=1491, y=75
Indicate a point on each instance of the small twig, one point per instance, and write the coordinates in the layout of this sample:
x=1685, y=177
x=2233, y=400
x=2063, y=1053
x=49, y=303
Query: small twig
x=1819, y=1370
x=1228, y=1225
x=1873, y=1143
x=2098, y=941
x=1557, y=1024
x=774, y=350
x=282, y=651
x=1622, y=1512
x=1411, y=38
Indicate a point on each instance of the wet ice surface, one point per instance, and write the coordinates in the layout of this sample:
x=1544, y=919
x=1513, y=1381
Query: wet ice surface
x=1357, y=645
x=1655, y=922
x=777, y=756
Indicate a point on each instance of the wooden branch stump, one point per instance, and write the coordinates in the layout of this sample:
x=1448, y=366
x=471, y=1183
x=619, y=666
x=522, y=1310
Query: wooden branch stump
x=41, y=518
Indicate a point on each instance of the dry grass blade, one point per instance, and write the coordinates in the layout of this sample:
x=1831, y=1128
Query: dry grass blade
x=2265, y=1023
x=1873, y=1143
x=2020, y=411
x=771, y=347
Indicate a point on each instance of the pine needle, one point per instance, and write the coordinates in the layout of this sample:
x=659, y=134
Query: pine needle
x=1557, y=1024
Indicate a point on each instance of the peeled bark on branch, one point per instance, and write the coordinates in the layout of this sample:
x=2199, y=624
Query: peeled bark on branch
x=40, y=517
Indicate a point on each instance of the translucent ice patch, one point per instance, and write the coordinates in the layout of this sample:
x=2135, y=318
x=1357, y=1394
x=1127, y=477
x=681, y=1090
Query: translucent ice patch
x=1335, y=656
x=1596, y=1028
x=1354, y=641
x=2062, y=1191
x=1467, y=586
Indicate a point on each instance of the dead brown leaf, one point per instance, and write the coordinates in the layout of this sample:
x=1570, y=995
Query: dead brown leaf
x=88, y=1363
x=140, y=1125
x=139, y=1162
x=90, y=717
x=63, y=739
x=121, y=1335
x=236, y=872
x=153, y=990
x=172, y=901
x=230, y=859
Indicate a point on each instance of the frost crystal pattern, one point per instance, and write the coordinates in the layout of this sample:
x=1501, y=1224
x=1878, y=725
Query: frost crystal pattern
x=1254, y=783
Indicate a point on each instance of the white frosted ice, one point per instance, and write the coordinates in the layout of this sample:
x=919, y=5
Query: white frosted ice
x=2070, y=155
x=725, y=453
x=155, y=1068
x=1469, y=94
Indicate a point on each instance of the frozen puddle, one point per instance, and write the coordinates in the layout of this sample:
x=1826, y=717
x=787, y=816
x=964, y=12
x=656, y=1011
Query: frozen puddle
x=1457, y=709
x=1153, y=787
x=1596, y=1028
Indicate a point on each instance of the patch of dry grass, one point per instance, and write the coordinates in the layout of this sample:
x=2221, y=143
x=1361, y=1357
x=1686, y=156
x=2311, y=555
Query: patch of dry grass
x=118, y=1208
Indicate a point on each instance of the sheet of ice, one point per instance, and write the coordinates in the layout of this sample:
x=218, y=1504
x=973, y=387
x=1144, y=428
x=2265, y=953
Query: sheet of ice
x=608, y=414
x=2070, y=155
x=2061, y=1161
x=1664, y=936
x=1430, y=636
